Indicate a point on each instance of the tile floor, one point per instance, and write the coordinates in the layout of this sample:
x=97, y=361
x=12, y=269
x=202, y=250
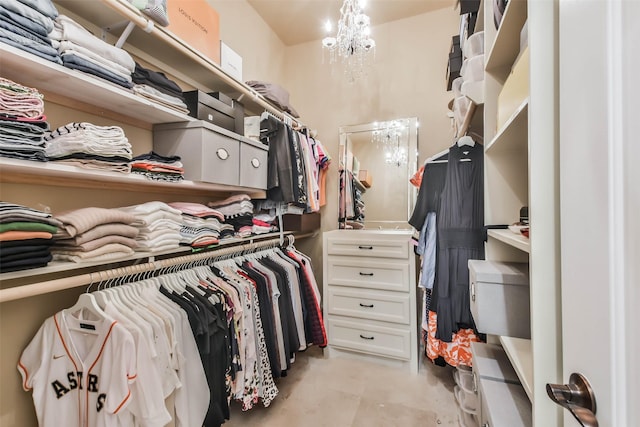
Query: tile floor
x=343, y=392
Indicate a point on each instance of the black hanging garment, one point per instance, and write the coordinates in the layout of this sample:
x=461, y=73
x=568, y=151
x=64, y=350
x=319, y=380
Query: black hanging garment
x=460, y=237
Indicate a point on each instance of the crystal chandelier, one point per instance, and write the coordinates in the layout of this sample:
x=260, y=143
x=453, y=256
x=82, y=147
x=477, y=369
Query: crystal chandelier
x=353, y=43
x=391, y=136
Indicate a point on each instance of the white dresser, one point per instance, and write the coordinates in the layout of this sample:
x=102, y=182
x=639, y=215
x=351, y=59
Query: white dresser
x=370, y=295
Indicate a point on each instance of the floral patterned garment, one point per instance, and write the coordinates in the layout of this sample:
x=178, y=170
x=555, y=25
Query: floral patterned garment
x=457, y=352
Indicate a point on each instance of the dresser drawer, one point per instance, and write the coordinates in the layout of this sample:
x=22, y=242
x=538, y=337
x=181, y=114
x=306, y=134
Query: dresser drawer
x=358, y=335
x=368, y=247
x=367, y=304
x=372, y=274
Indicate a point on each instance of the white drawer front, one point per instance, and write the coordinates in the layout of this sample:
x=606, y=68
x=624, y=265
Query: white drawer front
x=357, y=272
x=358, y=335
x=368, y=248
x=366, y=304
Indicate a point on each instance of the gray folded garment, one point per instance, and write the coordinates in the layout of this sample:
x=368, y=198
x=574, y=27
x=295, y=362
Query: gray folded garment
x=67, y=245
x=97, y=232
x=274, y=93
x=45, y=7
x=82, y=220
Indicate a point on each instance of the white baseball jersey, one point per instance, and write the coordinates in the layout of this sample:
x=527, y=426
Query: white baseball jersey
x=79, y=371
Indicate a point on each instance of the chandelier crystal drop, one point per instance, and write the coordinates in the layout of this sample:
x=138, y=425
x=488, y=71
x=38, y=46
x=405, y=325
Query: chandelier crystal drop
x=391, y=137
x=352, y=44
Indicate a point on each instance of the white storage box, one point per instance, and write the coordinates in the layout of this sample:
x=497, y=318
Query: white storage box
x=499, y=293
x=456, y=86
x=473, y=69
x=252, y=127
x=474, y=45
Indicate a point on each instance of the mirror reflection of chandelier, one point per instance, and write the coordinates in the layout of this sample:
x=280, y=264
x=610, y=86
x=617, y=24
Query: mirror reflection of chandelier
x=353, y=43
x=391, y=136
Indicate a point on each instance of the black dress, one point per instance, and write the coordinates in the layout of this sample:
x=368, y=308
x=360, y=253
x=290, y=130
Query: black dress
x=460, y=234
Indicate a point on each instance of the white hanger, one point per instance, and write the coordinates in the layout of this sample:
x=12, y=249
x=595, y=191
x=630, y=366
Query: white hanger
x=466, y=140
x=87, y=303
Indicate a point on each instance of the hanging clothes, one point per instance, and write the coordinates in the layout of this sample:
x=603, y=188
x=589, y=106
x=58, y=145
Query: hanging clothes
x=180, y=346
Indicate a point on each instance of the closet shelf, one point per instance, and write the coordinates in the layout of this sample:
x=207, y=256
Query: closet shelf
x=513, y=135
x=360, y=186
x=51, y=78
x=472, y=120
x=506, y=47
x=520, y=353
x=512, y=239
x=167, y=49
x=74, y=267
x=48, y=173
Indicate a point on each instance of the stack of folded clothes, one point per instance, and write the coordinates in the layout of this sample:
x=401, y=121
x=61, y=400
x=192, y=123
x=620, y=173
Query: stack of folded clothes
x=264, y=223
x=81, y=50
x=158, y=224
x=25, y=237
x=157, y=167
x=89, y=146
x=26, y=25
x=22, y=122
x=201, y=224
x=157, y=87
x=94, y=234
x=274, y=93
x=238, y=212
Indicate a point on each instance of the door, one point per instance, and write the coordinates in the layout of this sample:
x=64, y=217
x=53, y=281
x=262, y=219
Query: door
x=599, y=104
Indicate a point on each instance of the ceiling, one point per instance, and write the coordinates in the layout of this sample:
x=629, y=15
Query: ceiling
x=300, y=21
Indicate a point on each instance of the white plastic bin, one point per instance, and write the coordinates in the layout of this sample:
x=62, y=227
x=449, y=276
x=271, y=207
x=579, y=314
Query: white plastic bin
x=474, y=45
x=473, y=69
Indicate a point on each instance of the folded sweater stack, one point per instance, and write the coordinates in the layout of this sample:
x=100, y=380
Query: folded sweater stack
x=22, y=122
x=158, y=224
x=25, y=237
x=157, y=87
x=238, y=212
x=157, y=167
x=201, y=224
x=26, y=25
x=81, y=50
x=90, y=146
x=95, y=234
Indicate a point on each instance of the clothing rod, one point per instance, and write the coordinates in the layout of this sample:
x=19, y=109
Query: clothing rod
x=26, y=291
x=134, y=15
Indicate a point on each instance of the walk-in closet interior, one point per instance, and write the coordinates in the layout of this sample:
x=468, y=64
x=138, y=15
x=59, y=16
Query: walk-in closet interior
x=318, y=213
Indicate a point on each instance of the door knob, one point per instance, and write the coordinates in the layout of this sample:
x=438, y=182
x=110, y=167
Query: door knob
x=577, y=397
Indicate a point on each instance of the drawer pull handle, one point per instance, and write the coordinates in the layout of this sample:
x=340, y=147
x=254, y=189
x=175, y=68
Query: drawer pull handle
x=366, y=247
x=366, y=305
x=222, y=154
x=366, y=274
x=255, y=163
x=365, y=337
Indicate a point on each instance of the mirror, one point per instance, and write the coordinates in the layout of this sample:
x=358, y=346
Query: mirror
x=376, y=162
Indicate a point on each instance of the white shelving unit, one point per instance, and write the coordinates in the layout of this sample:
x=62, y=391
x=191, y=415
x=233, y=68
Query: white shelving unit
x=519, y=352
x=520, y=161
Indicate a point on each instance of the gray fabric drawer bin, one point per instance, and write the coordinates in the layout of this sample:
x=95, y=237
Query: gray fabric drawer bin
x=209, y=153
x=499, y=293
x=253, y=164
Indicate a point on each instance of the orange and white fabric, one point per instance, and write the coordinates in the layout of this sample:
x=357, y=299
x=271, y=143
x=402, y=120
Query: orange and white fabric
x=457, y=352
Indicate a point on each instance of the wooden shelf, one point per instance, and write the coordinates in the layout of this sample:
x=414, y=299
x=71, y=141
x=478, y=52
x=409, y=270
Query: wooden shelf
x=513, y=135
x=164, y=48
x=51, y=78
x=62, y=266
x=520, y=353
x=49, y=173
x=472, y=120
x=506, y=46
x=512, y=239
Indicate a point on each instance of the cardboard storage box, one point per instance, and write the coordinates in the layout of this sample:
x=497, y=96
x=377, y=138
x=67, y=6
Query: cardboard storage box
x=365, y=178
x=205, y=107
x=499, y=297
x=305, y=222
x=213, y=154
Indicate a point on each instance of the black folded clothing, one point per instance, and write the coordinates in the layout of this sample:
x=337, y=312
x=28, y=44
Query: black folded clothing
x=157, y=80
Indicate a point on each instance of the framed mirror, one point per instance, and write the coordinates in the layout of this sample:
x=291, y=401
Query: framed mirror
x=376, y=162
